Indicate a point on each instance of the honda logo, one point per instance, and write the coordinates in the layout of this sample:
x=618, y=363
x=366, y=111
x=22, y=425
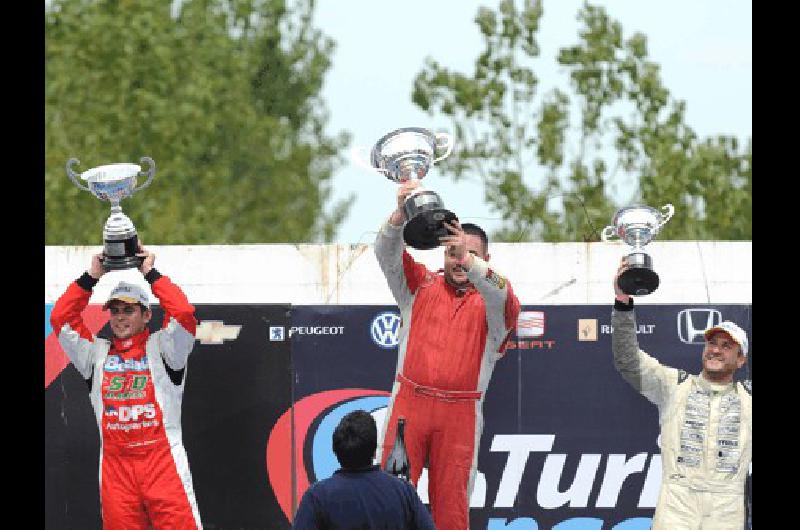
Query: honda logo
x=692, y=324
x=385, y=329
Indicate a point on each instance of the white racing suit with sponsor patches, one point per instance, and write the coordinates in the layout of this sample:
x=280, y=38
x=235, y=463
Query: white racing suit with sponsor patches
x=706, y=437
x=136, y=389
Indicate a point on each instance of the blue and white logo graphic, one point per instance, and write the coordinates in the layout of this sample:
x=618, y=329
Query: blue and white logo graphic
x=115, y=363
x=385, y=329
x=324, y=460
x=692, y=324
x=276, y=333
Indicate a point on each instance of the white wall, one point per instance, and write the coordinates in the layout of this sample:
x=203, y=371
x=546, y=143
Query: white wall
x=540, y=273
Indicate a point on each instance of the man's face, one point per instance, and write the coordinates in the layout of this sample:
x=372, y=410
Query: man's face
x=127, y=319
x=453, y=272
x=722, y=356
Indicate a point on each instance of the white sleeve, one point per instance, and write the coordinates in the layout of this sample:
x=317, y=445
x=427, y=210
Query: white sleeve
x=389, y=247
x=79, y=350
x=644, y=373
x=175, y=344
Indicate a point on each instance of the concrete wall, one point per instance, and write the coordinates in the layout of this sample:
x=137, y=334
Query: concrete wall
x=541, y=273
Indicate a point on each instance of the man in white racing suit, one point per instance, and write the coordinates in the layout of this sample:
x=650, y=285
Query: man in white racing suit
x=706, y=423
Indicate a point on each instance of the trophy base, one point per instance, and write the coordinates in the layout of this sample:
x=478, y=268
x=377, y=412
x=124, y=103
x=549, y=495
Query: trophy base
x=121, y=254
x=116, y=263
x=640, y=279
x=423, y=231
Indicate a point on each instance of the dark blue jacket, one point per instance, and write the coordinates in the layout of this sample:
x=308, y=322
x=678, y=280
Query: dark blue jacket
x=368, y=499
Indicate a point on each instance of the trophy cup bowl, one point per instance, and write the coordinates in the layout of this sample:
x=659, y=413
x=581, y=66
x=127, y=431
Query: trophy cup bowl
x=113, y=183
x=637, y=226
x=408, y=154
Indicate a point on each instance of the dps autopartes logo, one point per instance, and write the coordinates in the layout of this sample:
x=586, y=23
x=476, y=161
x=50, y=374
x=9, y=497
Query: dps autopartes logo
x=385, y=329
x=692, y=323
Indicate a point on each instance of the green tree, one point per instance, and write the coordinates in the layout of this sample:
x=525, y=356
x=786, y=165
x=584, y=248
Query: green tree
x=224, y=95
x=517, y=142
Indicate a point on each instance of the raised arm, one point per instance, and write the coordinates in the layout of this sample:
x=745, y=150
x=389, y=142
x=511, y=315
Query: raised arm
x=178, y=334
x=402, y=273
x=644, y=373
x=502, y=305
x=66, y=320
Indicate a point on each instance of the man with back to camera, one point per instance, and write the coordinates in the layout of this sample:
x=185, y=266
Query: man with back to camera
x=360, y=495
x=136, y=385
x=454, y=327
x=706, y=423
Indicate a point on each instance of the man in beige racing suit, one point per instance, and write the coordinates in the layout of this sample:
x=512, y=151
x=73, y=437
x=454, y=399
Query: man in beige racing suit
x=706, y=423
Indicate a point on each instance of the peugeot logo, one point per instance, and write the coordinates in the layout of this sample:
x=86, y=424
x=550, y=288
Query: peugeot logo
x=385, y=329
x=692, y=323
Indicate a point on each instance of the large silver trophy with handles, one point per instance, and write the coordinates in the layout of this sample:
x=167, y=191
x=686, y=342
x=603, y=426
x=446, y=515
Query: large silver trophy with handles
x=407, y=154
x=637, y=226
x=112, y=183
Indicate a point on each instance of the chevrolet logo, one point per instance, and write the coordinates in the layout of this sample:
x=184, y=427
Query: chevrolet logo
x=215, y=331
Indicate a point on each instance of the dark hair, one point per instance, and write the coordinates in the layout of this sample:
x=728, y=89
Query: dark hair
x=355, y=440
x=475, y=230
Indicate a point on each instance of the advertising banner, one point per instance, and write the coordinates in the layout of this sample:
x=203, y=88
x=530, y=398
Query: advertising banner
x=567, y=444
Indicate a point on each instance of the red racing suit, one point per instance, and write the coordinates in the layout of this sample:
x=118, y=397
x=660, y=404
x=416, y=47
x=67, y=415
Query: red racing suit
x=449, y=341
x=136, y=389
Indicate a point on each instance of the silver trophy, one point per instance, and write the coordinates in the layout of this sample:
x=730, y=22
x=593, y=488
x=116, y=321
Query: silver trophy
x=408, y=154
x=637, y=226
x=112, y=183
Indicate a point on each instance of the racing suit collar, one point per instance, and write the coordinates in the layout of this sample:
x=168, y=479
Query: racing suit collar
x=714, y=387
x=131, y=342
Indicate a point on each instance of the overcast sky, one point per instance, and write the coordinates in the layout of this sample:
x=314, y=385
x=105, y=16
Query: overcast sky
x=704, y=48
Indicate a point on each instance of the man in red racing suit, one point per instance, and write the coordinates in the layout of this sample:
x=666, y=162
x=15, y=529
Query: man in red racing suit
x=136, y=387
x=454, y=326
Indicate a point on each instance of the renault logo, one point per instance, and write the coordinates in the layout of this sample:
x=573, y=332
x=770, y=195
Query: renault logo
x=692, y=323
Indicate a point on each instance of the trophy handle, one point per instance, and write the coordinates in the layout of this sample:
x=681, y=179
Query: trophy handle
x=449, y=142
x=151, y=172
x=670, y=211
x=355, y=156
x=605, y=235
x=74, y=176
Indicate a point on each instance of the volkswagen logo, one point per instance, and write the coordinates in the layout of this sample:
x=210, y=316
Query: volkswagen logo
x=385, y=329
x=692, y=324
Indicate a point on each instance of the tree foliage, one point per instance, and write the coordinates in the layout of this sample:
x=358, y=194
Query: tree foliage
x=551, y=176
x=224, y=95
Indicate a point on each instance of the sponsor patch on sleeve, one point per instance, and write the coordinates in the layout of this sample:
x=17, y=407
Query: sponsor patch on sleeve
x=495, y=279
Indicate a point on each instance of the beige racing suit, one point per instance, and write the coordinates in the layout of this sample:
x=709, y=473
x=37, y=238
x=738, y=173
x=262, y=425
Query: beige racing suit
x=706, y=436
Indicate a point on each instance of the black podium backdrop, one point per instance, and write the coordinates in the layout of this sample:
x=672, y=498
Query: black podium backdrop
x=567, y=444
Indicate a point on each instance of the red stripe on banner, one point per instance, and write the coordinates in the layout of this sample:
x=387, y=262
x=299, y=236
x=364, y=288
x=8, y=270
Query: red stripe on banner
x=55, y=360
x=279, y=444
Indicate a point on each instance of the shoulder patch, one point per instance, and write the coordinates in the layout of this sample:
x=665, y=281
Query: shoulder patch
x=495, y=279
x=748, y=386
x=683, y=375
